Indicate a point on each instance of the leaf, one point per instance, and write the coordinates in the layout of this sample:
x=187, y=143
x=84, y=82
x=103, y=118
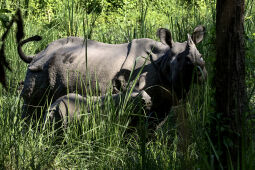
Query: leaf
x=4, y=18
x=5, y=11
x=2, y=77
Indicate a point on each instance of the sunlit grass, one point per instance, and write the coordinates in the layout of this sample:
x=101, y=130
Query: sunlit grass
x=99, y=140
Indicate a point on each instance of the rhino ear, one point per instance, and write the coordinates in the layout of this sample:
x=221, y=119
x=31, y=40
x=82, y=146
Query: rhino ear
x=198, y=34
x=165, y=36
x=190, y=41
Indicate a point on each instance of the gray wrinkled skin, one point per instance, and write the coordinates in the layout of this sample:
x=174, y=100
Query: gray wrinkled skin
x=61, y=69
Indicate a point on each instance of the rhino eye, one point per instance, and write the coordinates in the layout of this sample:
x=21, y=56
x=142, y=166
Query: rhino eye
x=188, y=61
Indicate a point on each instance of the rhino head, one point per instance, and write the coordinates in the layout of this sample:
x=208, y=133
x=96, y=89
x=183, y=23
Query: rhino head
x=182, y=61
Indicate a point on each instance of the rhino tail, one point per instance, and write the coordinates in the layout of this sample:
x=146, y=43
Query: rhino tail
x=27, y=59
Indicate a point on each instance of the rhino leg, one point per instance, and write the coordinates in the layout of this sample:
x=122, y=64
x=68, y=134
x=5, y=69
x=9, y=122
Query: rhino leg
x=31, y=111
x=34, y=93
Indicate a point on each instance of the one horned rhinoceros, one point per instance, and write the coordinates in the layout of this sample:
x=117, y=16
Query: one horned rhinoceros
x=62, y=67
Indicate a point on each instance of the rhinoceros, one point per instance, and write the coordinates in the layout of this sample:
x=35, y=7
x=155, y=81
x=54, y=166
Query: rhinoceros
x=73, y=105
x=73, y=65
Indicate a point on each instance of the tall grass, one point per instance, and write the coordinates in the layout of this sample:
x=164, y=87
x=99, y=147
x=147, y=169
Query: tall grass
x=99, y=140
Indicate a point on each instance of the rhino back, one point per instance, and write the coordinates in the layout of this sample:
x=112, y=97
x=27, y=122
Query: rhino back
x=65, y=61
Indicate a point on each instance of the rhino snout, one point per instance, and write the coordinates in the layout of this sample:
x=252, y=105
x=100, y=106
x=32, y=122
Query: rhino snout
x=202, y=73
x=200, y=62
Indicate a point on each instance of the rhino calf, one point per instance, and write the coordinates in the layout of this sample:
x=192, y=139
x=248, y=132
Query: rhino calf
x=72, y=105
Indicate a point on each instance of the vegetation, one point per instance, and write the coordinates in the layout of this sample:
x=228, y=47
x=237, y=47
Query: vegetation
x=102, y=141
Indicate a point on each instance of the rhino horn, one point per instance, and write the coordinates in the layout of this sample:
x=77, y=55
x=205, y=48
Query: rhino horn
x=190, y=41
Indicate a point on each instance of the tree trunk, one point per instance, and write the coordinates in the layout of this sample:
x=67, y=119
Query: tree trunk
x=230, y=82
